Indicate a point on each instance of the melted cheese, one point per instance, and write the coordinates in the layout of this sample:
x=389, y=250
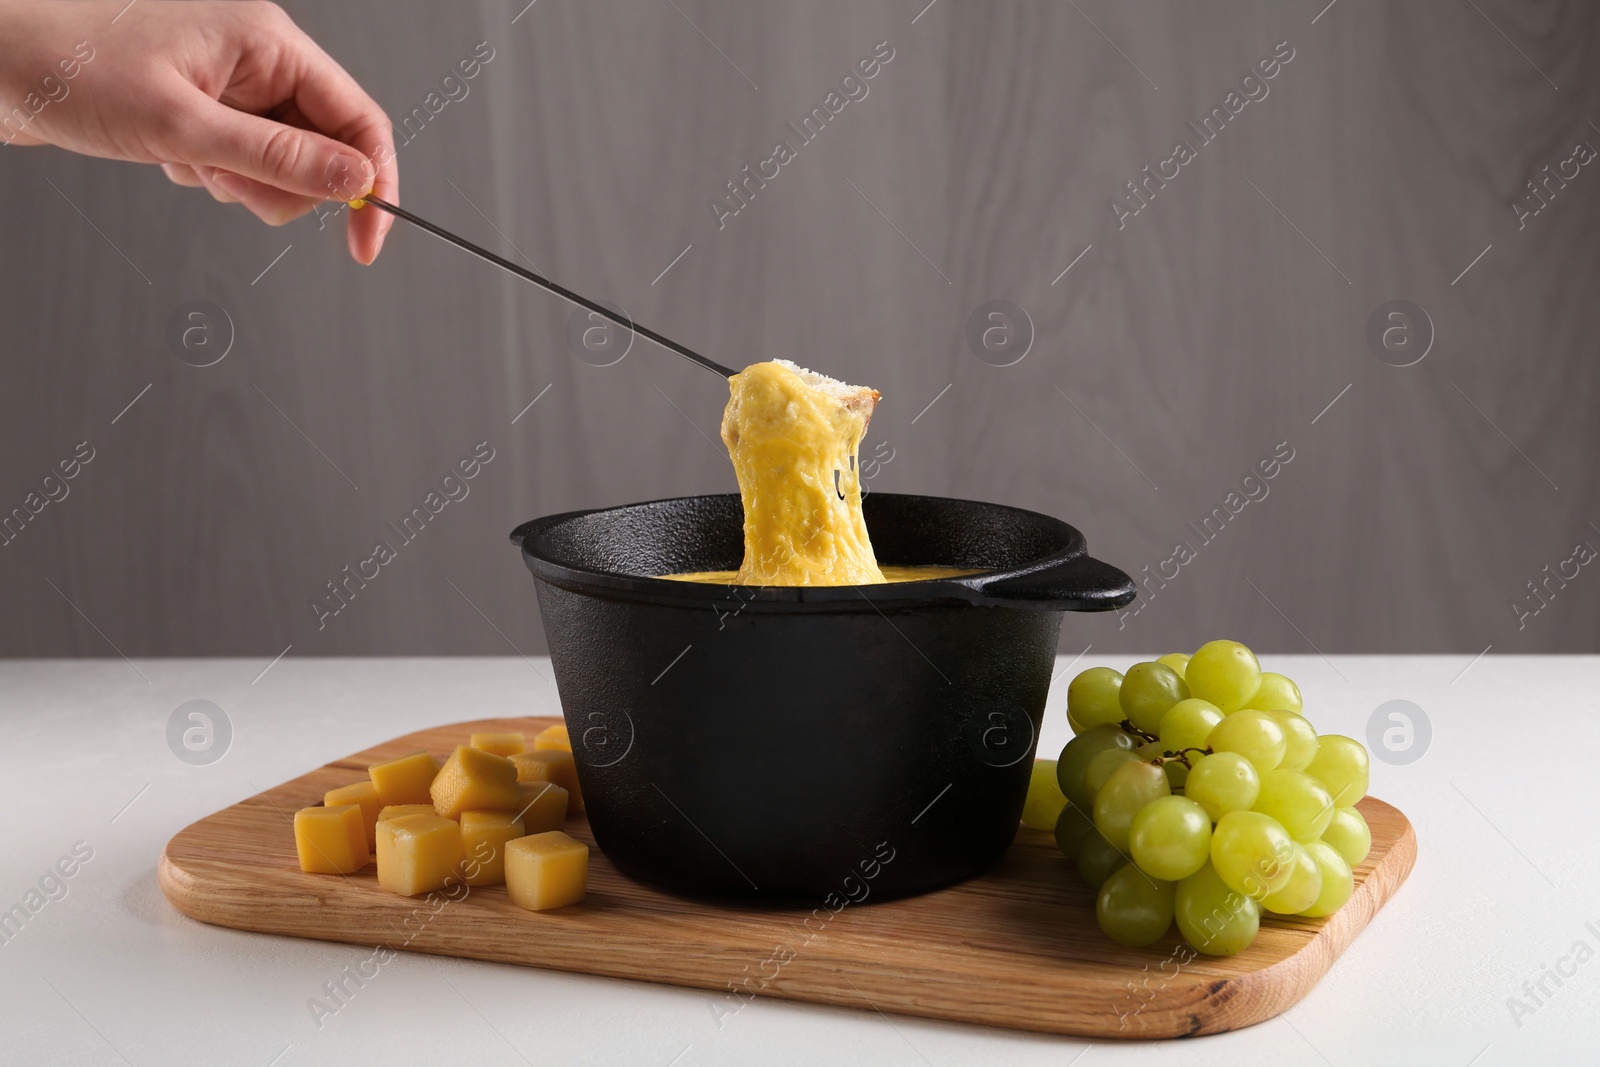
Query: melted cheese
x=794, y=437
x=891, y=574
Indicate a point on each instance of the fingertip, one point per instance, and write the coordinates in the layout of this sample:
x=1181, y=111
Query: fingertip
x=364, y=247
x=220, y=192
x=231, y=184
x=348, y=176
x=368, y=229
x=182, y=174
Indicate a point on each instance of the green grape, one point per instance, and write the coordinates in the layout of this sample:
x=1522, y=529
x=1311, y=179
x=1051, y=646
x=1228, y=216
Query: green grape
x=1079, y=751
x=1044, y=801
x=1177, y=774
x=1074, y=725
x=1341, y=764
x=1178, y=661
x=1102, y=767
x=1149, y=750
x=1188, y=723
x=1251, y=852
x=1302, y=888
x=1133, y=909
x=1223, y=782
x=1277, y=693
x=1225, y=673
x=1299, y=740
x=1255, y=735
x=1148, y=690
x=1170, y=838
x=1298, y=801
x=1097, y=859
x=1349, y=835
x=1092, y=698
x=1130, y=787
x=1071, y=828
x=1212, y=917
x=1337, y=881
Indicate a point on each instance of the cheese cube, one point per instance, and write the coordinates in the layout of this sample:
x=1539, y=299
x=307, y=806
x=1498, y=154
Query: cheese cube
x=395, y=811
x=404, y=780
x=553, y=737
x=475, y=780
x=501, y=744
x=418, y=853
x=363, y=794
x=551, y=765
x=484, y=835
x=543, y=807
x=545, y=871
x=331, y=840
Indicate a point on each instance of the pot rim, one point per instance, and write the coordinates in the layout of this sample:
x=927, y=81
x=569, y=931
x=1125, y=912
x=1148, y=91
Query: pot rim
x=1067, y=579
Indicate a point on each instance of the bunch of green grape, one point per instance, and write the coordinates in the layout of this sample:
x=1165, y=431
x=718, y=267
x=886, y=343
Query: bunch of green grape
x=1195, y=791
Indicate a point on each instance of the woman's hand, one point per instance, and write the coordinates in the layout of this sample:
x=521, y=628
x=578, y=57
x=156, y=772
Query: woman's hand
x=227, y=95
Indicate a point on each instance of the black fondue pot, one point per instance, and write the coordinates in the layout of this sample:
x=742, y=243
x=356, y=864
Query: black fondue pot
x=796, y=742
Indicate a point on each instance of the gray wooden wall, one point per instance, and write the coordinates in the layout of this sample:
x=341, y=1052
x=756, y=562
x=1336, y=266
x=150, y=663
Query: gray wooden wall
x=1183, y=347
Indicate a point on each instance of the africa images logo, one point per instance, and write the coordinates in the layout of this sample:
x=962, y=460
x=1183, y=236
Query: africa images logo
x=1253, y=88
x=853, y=87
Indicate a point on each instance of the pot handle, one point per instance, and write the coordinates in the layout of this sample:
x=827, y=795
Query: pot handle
x=1080, y=583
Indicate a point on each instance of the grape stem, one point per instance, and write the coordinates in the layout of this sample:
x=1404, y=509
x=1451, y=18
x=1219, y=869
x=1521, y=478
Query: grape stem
x=1182, y=756
x=1128, y=728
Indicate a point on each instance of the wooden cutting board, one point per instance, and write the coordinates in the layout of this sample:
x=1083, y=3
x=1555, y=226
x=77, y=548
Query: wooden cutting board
x=1017, y=947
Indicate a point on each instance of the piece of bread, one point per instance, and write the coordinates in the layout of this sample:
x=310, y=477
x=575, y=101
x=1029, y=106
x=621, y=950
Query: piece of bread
x=851, y=397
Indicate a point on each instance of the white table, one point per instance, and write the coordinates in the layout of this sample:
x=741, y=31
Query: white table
x=111, y=973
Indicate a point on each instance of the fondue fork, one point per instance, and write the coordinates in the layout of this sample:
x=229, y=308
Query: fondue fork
x=545, y=283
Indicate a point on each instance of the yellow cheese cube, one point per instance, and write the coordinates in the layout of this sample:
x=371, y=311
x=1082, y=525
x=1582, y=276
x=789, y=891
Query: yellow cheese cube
x=331, y=840
x=551, y=765
x=484, y=835
x=546, y=871
x=418, y=853
x=553, y=737
x=543, y=807
x=395, y=811
x=502, y=744
x=363, y=794
x=475, y=780
x=404, y=780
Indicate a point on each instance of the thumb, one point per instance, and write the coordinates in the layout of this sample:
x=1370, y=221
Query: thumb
x=285, y=157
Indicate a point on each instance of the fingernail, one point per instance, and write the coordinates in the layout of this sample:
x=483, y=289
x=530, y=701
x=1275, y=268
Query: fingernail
x=348, y=177
x=230, y=183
